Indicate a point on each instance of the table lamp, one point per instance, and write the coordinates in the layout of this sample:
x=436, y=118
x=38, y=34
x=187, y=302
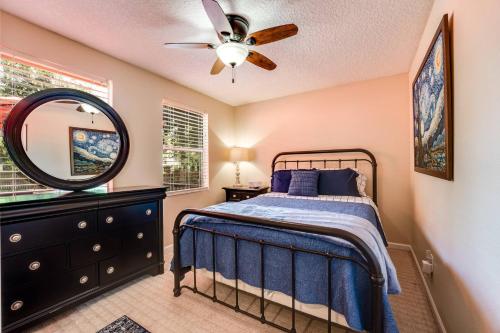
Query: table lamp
x=237, y=155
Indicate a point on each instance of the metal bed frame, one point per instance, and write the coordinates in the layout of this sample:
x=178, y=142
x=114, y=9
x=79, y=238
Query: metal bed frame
x=371, y=265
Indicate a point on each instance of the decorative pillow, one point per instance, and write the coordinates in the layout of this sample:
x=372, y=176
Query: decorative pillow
x=338, y=182
x=280, y=181
x=304, y=183
x=361, y=180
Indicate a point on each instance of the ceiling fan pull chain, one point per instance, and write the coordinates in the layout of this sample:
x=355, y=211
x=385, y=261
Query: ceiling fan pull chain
x=233, y=72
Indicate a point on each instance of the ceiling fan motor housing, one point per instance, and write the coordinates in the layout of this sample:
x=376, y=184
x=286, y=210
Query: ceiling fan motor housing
x=240, y=27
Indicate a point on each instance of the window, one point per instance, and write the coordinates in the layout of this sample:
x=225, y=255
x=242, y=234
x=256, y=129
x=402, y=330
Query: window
x=18, y=79
x=185, y=149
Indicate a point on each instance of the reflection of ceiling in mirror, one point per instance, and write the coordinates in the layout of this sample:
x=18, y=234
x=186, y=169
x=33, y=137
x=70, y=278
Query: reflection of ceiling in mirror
x=49, y=143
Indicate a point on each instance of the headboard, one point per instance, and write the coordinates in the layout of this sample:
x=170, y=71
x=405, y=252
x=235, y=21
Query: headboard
x=354, y=157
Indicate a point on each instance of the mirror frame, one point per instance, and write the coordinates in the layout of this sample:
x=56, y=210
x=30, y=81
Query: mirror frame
x=13, y=139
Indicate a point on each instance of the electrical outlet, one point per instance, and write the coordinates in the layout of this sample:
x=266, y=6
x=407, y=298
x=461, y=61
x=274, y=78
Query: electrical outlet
x=429, y=256
x=428, y=263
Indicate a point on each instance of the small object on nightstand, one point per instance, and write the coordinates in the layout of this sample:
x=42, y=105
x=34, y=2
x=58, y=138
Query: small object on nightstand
x=254, y=184
x=244, y=193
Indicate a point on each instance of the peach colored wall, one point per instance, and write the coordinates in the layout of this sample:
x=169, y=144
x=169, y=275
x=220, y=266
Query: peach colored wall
x=137, y=96
x=459, y=219
x=370, y=114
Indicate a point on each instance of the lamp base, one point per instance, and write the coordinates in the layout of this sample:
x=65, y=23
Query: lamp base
x=238, y=185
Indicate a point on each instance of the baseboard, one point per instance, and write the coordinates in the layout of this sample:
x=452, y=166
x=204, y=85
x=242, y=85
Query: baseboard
x=408, y=247
x=168, y=249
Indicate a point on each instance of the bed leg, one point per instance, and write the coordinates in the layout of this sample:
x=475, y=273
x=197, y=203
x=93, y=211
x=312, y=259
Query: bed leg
x=377, y=318
x=177, y=260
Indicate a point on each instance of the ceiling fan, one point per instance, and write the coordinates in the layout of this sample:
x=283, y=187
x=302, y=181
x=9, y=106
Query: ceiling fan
x=232, y=31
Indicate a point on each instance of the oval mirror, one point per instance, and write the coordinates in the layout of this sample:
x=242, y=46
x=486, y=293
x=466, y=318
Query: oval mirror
x=66, y=139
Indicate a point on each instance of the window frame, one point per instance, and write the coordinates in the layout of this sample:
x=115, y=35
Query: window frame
x=205, y=150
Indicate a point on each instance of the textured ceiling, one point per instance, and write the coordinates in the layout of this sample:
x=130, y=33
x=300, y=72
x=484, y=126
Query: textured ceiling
x=339, y=41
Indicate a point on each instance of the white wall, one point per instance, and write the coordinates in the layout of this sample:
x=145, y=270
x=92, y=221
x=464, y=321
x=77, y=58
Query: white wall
x=459, y=219
x=137, y=97
x=370, y=114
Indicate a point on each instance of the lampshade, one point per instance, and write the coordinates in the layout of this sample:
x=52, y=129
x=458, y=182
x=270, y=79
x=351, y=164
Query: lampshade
x=239, y=154
x=232, y=53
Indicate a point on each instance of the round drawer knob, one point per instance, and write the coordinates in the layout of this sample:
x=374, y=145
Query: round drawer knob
x=16, y=305
x=148, y=212
x=14, y=238
x=149, y=255
x=84, y=279
x=234, y=195
x=109, y=219
x=96, y=247
x=34, y=266
x=110, y=270
x=248, y=197
x=140, y=235
x=82, y=224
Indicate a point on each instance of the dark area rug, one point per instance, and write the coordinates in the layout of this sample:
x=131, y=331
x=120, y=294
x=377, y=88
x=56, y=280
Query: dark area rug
x=123, y=325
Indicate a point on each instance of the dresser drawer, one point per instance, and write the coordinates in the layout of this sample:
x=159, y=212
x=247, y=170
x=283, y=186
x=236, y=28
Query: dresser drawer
x=127, y=263
x=112, y=218
x=33, y=266
x=22, y=236
x=93, y=249
x=139, y=236
x=23, y=301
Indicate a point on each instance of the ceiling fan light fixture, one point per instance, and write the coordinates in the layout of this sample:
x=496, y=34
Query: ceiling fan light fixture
x=232, y=53
x=88, y=109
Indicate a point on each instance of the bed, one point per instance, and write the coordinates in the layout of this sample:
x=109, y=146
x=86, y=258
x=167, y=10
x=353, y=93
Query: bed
x=324, y=256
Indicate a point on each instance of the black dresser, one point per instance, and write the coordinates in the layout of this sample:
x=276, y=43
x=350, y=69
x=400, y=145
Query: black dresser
x=61, y=249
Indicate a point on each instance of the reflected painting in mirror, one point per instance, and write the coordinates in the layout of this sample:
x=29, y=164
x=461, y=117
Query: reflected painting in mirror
x=92, y=151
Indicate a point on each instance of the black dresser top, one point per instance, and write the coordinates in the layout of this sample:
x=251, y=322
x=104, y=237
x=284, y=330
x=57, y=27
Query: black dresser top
x=60, y=196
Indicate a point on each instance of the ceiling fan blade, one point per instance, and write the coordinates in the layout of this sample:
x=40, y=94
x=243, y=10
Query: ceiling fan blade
x=260, y=60
x=272, y=34
x=189, y=45
x=218, y=19
x=217, y=67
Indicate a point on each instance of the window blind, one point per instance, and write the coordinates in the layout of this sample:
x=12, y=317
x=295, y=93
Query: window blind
x=18, y=79
x=185, y=149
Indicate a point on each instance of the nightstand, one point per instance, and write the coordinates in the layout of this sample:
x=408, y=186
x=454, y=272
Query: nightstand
x=243, y=193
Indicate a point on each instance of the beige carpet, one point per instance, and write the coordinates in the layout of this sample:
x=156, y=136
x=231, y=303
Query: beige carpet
x=149, y=301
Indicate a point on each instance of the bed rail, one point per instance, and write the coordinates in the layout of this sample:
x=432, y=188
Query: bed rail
x=371, y=265
x=323, y=162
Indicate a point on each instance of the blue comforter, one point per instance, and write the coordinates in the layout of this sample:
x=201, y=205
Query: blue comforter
x=351, y=286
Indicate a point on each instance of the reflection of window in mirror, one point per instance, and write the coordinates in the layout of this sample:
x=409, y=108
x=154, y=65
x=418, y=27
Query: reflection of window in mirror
x=14, y=86
x=185, y=149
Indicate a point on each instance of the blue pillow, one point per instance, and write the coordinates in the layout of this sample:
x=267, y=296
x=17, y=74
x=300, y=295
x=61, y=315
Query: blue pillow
x=304, y=183
x=281, y=181
x=338, y=182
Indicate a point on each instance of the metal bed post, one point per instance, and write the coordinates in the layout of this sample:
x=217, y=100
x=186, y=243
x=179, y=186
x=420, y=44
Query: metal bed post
x=177, y=256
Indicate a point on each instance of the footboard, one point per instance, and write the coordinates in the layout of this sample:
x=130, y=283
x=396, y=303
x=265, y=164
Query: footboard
x=370, y=264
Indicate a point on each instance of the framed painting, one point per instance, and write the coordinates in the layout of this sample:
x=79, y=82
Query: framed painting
x=432, y=109
x=92, y=151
